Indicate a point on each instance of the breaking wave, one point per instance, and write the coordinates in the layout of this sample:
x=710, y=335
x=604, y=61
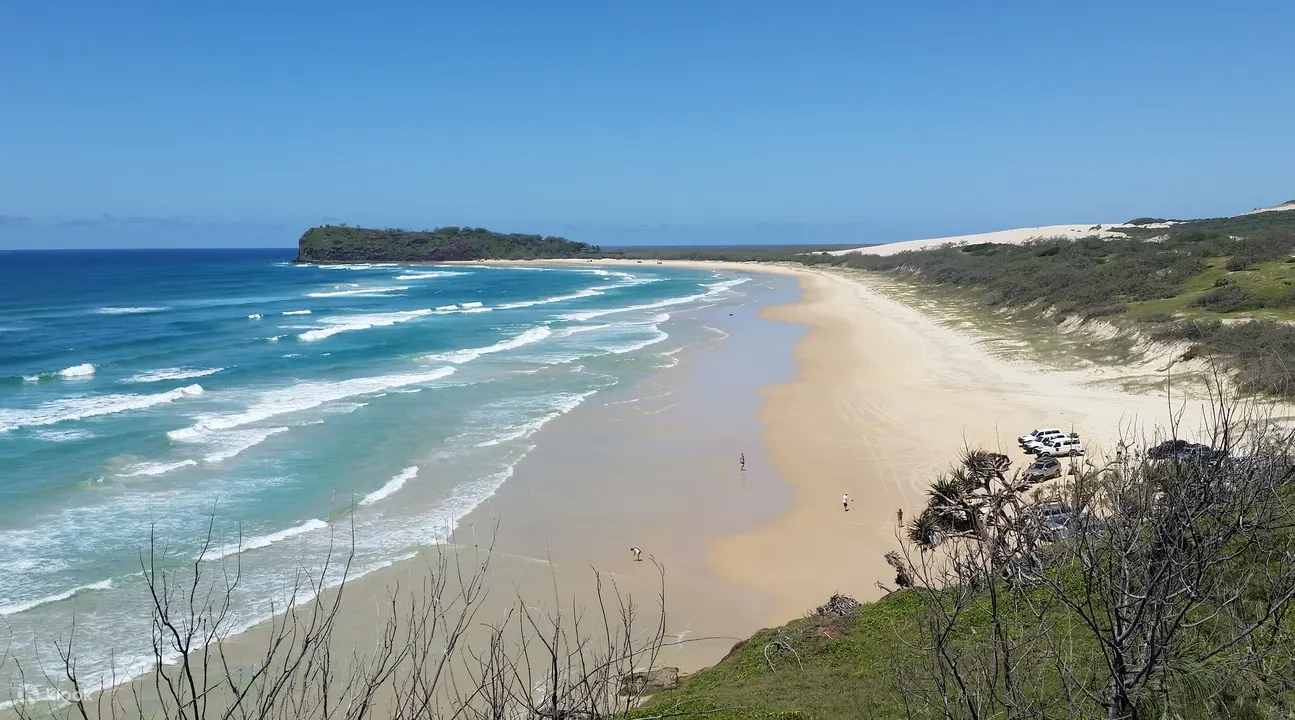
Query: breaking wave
x=57, y=411
x=459, y=357
x=360, y=322
x=391, y=486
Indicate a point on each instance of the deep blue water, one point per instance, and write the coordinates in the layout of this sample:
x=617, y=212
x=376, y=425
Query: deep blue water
x=158, y=389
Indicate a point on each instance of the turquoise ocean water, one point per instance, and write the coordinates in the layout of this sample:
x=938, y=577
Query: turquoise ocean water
x=153, y=391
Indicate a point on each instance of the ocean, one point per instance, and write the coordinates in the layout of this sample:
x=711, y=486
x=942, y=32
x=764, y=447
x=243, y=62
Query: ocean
x=162, y=393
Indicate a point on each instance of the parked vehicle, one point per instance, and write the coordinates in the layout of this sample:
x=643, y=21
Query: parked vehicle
x=1045, y=469
x=1038, y=433
x=1034, y=446
x=1166, y=449
x=1184, y=451
x=1054, y=519
x=1065, y=446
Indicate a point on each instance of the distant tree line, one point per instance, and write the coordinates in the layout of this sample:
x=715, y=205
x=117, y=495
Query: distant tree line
x=333, y=243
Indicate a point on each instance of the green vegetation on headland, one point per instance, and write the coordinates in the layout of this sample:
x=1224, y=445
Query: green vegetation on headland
x=1227, y=285
x=332, y=244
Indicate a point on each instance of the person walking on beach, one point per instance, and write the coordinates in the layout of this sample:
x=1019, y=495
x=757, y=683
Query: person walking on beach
x=741, y=461
x=899, y=517
x=638, y=554
x=845, y=501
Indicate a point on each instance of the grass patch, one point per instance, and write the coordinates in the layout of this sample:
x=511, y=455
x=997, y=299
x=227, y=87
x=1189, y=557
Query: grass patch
x=848, y=670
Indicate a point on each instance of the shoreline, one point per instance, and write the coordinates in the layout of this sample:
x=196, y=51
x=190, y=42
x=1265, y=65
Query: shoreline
x=878, y=399
x=650, y=464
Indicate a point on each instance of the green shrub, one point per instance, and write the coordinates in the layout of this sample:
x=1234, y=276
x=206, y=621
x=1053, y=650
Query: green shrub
x=1285, y=300
x=1228, y=298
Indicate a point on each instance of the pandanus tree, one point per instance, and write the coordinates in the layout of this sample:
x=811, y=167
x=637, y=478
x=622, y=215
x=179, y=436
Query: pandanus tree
x=958, y=501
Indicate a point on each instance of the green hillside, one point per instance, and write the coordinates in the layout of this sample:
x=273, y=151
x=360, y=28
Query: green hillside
x=1225, y=284
x=332, y=243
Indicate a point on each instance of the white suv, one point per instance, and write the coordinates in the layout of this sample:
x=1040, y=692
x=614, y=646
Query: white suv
x=1037, y=434
x=1033, y=446
x=1063, y=446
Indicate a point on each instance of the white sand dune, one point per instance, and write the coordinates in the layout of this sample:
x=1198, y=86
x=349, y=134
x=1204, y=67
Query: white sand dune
x=1020, y=236
x=1275, y=208
x=1004, y=237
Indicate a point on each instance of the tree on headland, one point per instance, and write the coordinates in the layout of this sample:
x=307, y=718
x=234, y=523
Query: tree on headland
x=1165, y=588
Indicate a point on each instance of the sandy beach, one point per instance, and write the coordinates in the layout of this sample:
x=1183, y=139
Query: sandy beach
x=883, y=398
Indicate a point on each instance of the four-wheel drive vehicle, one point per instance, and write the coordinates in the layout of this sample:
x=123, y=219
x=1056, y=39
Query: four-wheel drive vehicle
x=1053, y=519
x=1166, y=449
x=1038, y=433
x=1044, y=469
x=1064, y=446
x=1184, y=451
x=1200, y=453
x=1034, y=446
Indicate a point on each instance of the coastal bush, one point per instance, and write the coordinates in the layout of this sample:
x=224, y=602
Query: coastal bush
x=1139, y=588
x=1228, y=298
x=1257, y=351
x=1285, y=300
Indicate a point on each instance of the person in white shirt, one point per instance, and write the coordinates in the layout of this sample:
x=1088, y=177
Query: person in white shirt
x=845, y=501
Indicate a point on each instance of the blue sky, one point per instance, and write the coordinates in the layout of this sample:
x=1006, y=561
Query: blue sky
x=243, y=123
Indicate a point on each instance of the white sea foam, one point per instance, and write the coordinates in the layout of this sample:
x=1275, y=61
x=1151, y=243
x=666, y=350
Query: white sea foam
x=391, y=486
x=410, y=391
x=566, y=402
x=457, y=357
x=171, y=374
x=62, y=435
x=470, y=305
x=426, y=275
x=713, y=290
x=18, y=607
x=82, y=370
x=588, y=292
x=127, y=310
x=254, y=316
x=154, y=469
x=374, y=291
x=591, y=314
x=78, y=408
x=448, y=309
x=576, y=329
x=296, y=312
x=302, y=396
x=229, y=443
x=261, y=541
x=358, y=266
x=657, y=336
x=346, y=408
x=346, y=323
